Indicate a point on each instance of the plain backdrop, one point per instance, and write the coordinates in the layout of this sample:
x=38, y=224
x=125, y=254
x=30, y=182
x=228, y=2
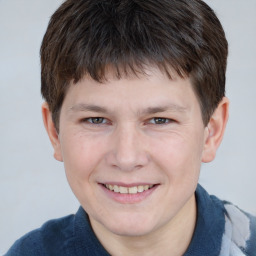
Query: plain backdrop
x=33, y=186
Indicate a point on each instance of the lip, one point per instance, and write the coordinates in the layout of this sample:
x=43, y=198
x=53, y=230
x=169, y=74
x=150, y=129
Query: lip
x=129, y=198
x=127, y=184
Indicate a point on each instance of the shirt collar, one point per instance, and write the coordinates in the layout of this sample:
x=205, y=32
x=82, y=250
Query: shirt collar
x=210, y=225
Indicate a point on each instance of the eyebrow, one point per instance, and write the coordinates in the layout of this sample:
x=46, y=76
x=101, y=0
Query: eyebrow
x=148, y=111
x=159, y=109
x=88, y=107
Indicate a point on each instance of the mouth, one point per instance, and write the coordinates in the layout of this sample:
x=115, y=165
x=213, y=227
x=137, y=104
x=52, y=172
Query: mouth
x=129, y=193
x=128, y=190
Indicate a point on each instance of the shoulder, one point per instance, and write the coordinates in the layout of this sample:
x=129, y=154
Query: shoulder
x=240, y=231
x=233, y=230
x=240, y=228
x=44, y=241
x=71, y=235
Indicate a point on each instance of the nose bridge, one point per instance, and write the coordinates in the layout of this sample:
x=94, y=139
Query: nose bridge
x=129, y=152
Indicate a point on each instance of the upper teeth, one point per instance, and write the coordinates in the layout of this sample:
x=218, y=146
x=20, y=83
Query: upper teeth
x=128, y=190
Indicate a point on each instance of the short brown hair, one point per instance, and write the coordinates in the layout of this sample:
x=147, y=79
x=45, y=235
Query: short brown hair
x=85, y=36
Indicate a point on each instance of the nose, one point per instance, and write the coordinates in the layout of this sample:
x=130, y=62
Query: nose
x=128, y=149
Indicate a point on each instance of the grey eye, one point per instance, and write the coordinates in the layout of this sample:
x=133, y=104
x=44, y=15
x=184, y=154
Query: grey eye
x=159, y=120
x=96, y=120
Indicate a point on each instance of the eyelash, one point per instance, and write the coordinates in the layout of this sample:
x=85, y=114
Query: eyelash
x=160, y=120
x=102, y=120
x=92, y=120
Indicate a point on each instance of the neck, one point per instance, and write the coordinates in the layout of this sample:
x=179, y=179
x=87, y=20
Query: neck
x=171, y=239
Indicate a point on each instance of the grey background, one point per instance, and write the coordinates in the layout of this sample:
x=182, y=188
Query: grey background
x=33, y=186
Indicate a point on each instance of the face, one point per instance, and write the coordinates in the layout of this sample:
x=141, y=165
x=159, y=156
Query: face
x=132, y=149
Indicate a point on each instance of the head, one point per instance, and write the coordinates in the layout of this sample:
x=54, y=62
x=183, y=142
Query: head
x=182, y=36
x=134, y=96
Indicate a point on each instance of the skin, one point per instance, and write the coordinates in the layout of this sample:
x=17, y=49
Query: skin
x=109, y=134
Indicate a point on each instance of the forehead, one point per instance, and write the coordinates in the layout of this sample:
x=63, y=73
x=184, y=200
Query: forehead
x=152, y=90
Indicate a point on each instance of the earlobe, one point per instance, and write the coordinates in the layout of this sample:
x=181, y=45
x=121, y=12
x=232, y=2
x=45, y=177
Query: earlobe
x=215, y=129
x=51, y=130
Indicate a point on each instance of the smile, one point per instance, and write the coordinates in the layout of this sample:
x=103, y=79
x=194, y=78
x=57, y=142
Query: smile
x=128, y=190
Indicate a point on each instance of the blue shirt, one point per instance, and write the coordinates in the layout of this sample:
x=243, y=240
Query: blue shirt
x=221, y=230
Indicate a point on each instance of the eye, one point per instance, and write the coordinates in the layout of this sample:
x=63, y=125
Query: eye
x=159, y=120
x=96, y=120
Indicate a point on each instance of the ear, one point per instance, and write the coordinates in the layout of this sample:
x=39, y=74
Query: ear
x=215, y=130
x=51, y=130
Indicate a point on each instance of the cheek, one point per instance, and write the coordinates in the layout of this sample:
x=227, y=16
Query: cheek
x=179, y=155
x=81, y=156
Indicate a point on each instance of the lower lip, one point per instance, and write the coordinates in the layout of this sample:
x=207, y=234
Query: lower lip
x=129, y=198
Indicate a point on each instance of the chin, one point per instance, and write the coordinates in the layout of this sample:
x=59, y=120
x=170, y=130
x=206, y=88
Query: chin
x=130, y=232
x=132, y=227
